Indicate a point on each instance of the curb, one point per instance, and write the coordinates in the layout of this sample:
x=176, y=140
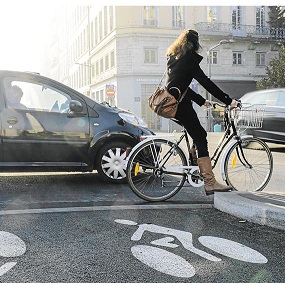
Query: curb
x=254, y=211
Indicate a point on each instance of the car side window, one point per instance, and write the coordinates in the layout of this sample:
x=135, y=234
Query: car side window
x=258, y=98
x=271, y=99
x=281, y=99
x=14, y=97
x=38, y=97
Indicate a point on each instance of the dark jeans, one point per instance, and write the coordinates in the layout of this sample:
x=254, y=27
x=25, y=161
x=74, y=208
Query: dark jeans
x=187, y=116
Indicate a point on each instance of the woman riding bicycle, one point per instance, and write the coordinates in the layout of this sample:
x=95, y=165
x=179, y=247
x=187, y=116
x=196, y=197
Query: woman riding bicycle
x=182, y=67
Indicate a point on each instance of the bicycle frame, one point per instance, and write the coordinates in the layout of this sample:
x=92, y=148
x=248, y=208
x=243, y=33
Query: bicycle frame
x=226, y=138
x=155, y=163
x=229, y=135
x=224, y=141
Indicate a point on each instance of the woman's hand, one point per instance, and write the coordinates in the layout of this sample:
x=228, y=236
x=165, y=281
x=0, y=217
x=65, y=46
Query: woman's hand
x=208, y=104
x=234, y=103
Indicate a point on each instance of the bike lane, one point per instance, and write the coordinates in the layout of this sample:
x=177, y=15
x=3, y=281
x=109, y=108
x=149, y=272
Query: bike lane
x=138, y=245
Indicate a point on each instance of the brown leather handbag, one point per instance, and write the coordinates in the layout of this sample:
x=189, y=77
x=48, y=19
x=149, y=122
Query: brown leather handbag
x=163, y=103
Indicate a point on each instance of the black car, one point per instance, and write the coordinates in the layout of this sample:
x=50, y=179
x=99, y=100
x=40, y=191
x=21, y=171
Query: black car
x=47, y=126
x=273, y=127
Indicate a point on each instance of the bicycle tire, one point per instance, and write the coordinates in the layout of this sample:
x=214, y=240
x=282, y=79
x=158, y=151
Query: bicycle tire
x=147, y=178
x=242, y=177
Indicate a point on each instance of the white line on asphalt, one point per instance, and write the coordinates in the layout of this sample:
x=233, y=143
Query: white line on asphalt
x=101, y=208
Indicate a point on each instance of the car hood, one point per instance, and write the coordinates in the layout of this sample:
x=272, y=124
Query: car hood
x=114, y=109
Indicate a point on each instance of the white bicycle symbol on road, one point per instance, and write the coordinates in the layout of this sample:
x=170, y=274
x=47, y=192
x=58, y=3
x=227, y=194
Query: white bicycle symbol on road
x=11, y=246
x=172, y=264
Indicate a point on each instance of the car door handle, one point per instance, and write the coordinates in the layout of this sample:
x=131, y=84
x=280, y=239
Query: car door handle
x=12, y=120
x=268, y=114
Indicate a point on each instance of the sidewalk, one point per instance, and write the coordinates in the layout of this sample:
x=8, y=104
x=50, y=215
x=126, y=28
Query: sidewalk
x=257, y=207
x=265, y=208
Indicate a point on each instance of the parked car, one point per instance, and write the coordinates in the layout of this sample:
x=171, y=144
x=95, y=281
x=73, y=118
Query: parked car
x=48, y=126
x=273, y=127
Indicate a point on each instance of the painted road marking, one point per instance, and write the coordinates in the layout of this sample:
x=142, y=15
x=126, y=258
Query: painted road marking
x=173, y=264
x=10, y=246
x=232, y=249
x=163, y=261
x=104, y=207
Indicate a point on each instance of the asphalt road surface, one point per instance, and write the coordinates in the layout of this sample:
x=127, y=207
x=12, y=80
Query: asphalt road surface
x=75, y=228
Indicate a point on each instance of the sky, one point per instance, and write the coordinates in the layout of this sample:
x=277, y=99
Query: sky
x=23, y=30
x=24, y=25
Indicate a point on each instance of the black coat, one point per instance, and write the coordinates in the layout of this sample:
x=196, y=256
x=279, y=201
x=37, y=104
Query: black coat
x=180, y=73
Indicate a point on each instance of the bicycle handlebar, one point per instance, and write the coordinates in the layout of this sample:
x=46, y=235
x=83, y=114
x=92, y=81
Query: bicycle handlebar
x=227, y=108
x=214, y=103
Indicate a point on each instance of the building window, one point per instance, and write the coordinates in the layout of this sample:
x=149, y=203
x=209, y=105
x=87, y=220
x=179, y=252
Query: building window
x=100, y=26
x=92, y=34
x=260, y=19
x=260, y=59
x=107, y=62
x=97, y=68
x=105, y=21
x=111, y=18
x=149, y=16
x=97, y=95
x=96, y=31
x=150, y=55
x=93, y=70
x=101, y=65
x=153, y=121
x=237, y=58
x=212, y=14
x=101, y=99
x=178, y=17
x=214, y=57
x=237, y=18
x=112, y=58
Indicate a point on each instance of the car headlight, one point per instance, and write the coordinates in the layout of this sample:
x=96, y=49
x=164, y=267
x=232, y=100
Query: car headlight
x=132, y=119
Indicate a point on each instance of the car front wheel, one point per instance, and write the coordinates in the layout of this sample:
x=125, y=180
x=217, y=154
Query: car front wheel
x=111, y=162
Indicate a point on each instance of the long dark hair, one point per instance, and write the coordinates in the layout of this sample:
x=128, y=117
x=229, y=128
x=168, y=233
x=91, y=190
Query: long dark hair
x=187, y=40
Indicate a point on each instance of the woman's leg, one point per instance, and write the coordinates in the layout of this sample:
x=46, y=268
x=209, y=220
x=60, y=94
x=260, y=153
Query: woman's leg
x=189, y=119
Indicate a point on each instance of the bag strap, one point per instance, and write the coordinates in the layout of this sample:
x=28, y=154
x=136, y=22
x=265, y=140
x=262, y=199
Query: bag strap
x=181, y=96
x=159, y=84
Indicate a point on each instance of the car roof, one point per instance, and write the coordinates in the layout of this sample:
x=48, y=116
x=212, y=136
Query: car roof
x=248, y=94
x=266, y=90
x=35, y=75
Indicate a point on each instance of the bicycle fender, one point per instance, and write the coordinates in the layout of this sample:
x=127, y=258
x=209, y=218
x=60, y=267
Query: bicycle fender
x=225, y=153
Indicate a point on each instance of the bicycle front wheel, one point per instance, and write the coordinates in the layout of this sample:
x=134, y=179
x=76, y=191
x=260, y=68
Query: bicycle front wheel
x=154, y=170
x=248, y=167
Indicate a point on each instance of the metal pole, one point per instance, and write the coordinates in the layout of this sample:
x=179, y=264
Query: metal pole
x=209, y=95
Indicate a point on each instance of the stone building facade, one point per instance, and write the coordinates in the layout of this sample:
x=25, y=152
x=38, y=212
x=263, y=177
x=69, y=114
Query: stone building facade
x=117, y=53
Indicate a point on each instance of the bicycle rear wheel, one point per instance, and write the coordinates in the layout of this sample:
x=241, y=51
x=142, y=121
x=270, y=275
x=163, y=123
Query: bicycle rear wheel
x=249, y=169
x=154, y=170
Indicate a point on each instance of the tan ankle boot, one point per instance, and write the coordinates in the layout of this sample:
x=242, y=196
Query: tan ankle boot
x=210, y=183
x=194, y=155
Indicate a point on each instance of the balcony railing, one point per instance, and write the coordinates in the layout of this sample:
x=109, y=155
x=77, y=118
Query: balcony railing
x=241, y=30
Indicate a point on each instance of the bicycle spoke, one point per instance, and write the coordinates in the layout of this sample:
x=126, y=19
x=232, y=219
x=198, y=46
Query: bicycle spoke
x=240, y=175
x=153, y=170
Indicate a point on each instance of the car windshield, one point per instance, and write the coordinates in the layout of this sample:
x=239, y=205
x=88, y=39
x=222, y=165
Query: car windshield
x=270, y=98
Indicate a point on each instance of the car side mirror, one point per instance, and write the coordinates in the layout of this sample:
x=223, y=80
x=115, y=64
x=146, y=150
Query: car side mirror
x=75, y=106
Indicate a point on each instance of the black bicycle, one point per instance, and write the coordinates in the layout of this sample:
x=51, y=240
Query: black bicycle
x=157, y=167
